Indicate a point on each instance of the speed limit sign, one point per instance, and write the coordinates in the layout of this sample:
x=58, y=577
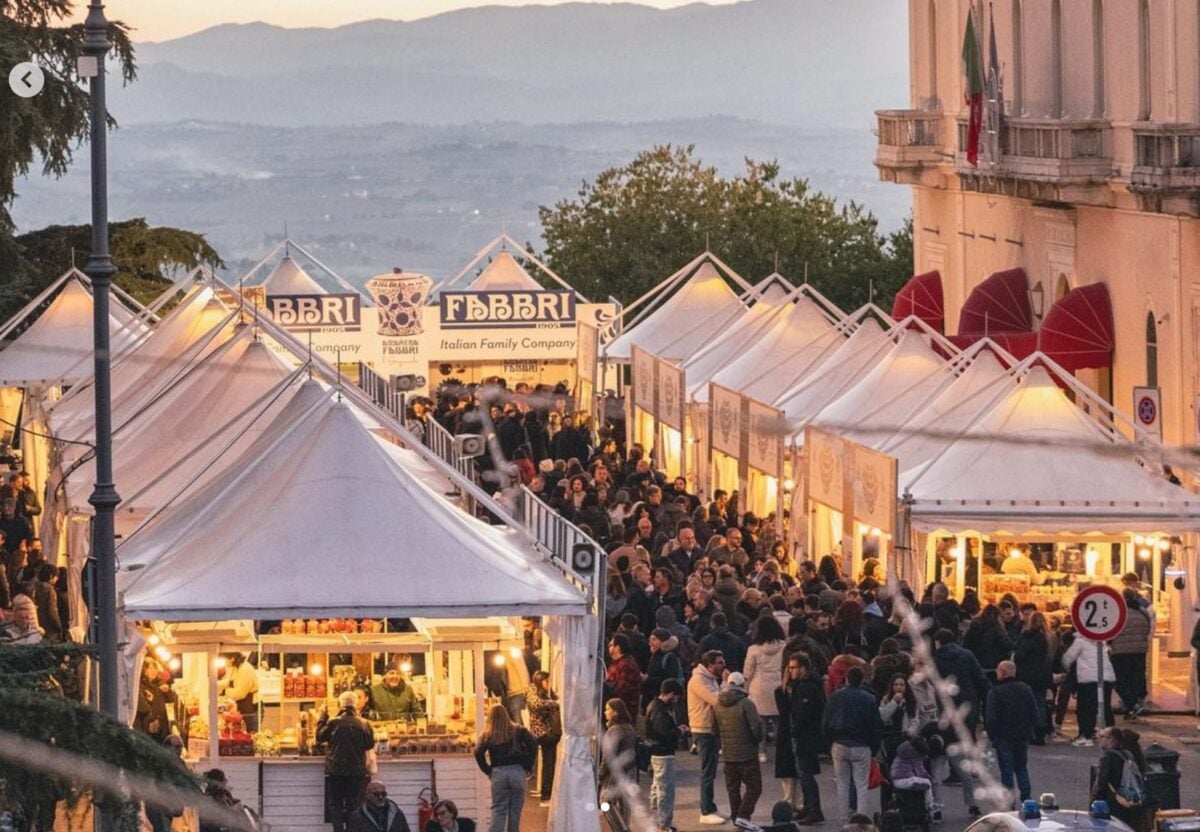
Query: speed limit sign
x=1099, y=613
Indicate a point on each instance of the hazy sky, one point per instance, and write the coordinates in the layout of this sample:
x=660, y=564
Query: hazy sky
x=165, y=19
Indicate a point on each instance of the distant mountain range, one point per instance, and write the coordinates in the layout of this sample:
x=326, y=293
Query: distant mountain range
x=812, y=63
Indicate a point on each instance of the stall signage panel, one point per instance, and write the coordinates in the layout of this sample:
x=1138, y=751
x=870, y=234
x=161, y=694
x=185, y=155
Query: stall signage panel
x=551, y=308
x=312, y=313
x=874, y=488
x=1147, y=410
x=644, y=382
x=826, y=467
x=587, y=351
x=726, y=408
x=671, y=394
x=1099, y=613
x=766, y=438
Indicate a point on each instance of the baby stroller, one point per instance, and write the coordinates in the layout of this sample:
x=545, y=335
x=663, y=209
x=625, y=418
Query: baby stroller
x=904, y=809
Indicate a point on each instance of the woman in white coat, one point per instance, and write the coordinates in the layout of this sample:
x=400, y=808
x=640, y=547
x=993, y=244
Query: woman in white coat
x=1087, y=656
x=764, y=672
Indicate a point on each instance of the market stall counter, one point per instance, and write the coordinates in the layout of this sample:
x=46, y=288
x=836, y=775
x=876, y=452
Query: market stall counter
x=423, y=689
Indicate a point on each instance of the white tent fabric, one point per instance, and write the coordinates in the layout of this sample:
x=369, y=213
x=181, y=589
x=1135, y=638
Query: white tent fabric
x=57, y=347
x=576, y=676
x=701, y=303
x=840, y=369
x=1036, y=463
x=907, y=377
x=164, y=433
x=791, y=331
x=977, y=389
x=287, y=278
x=504, y=274
x=338, y=529
x=727, y=342
x=135, y=369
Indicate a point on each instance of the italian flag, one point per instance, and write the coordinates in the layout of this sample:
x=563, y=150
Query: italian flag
x=973, y=64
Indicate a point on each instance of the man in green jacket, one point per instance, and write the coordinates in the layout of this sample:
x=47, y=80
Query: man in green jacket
x=741, y=731
x=393, y=698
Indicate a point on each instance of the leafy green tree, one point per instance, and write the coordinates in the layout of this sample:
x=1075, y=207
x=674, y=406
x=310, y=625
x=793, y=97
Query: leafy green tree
x=635, y=225
x=52, y=124
x=146, y=257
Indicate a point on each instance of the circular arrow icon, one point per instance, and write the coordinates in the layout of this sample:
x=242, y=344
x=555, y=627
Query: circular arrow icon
x=26, y=79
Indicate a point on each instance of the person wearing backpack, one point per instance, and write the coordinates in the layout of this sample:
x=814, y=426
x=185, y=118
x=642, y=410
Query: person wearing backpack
x=664, y=663
x=506, y=753
x=1120, y=777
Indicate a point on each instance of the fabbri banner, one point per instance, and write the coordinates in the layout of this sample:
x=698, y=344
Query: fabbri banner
x=513, y=334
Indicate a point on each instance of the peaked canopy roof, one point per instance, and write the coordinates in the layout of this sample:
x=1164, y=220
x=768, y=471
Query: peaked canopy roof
x=162, y=435
x=57, y=347
x=770, y=301
x=840, y=369
x=973, y=393
x=907, y=377
x=339, y=528
x=287, y=278
x=1036, y=462
x=685, y=321
x=795, y=332
x=504, y=274
x=135, y=370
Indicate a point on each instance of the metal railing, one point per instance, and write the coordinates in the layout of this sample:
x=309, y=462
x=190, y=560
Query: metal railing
x=558, y=534
x=1166, y=157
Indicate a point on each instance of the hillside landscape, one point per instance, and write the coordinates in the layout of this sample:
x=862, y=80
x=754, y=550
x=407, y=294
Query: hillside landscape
x=389, y=143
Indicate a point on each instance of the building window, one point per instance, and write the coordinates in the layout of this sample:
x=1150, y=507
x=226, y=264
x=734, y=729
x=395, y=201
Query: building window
x=1151, y=350
x=1018, y=62
x=1098, y=104
x=1143, y=57
x=1057, y=107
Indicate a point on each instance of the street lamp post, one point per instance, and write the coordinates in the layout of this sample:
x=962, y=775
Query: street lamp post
x=100, y=270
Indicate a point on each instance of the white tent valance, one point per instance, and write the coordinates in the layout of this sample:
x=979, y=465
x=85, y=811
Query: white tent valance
x=287, y=278
x=504, y=274
x=1036, y=462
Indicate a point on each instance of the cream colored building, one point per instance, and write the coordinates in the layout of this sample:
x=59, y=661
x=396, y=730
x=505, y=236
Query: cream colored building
x=1097, y=179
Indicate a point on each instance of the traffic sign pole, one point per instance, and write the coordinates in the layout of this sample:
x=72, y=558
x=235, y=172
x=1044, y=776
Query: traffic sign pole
x=1098, y=614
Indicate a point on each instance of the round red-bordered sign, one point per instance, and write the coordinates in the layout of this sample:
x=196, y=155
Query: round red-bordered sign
x=1099, y=613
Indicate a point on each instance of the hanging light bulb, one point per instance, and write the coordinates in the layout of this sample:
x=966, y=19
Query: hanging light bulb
x=1144, y=554
x=219, y=662
x=154, y=640
x=1138, y=539
x=174, y=664
x=498, y=660
x=315, y=669
x=406, y=667
x=1163, y=544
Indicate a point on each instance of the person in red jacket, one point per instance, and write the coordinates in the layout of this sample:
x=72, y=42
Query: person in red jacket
x=624, y=677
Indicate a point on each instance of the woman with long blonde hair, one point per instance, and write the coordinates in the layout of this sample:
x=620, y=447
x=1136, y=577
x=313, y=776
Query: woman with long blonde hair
x=506, y=753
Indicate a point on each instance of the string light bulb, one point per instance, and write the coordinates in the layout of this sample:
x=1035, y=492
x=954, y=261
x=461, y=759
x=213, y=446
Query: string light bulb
x=315, y=669
x=1164, y=544
x=174, y=664
x=498, y=660
x=1144, y=553
x=406, y=667
x=219, y=662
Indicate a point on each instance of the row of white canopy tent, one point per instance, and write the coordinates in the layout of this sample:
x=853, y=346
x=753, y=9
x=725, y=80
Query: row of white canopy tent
x=255, y=486
x=982, y=442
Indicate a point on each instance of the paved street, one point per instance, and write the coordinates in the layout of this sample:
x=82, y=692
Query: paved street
x=1057, y=767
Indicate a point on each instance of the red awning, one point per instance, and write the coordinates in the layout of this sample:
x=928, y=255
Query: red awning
x=998, y=304
x=1020, y=344
x=1078, y=330
x=922, y=296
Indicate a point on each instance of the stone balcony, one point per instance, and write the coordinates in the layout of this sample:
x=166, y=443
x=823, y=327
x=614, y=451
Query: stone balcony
x=909, y=149
x=1166, y=168
x=1061, y=160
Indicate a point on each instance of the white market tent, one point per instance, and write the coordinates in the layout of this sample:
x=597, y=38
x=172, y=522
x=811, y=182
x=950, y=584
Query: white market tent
x=895, y=388
x=686, y=310
x=504, y=274
x=137, y=370
x=234, y=379
x=57, y=347
x=338, y=529
x=770, y=300
x=287, y=278
x=976, y=390
x=1036, y=463
x=842, y=368
x=798, y=335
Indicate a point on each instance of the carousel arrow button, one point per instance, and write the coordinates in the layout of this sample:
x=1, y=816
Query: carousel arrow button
x=26, y=79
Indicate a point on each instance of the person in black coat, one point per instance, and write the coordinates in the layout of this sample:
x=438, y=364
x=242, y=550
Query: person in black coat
x=805, y=708
x=1011, y=715
x=720, y=637
x=1034, y=660
x=988, y=640
x=446, y=819
x=378, y=814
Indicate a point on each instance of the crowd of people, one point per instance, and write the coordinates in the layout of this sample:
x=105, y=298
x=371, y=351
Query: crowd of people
x=721, y=645
x=33, y=591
